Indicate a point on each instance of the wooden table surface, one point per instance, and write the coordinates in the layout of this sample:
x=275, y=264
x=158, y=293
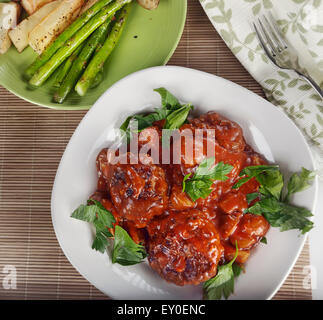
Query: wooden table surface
x=32, y=141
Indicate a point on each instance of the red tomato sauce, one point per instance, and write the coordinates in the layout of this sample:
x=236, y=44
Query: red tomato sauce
x=186, y=240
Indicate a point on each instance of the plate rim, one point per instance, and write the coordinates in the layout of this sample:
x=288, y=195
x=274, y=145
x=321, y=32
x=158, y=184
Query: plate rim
x=88, y=107
x=314, y=184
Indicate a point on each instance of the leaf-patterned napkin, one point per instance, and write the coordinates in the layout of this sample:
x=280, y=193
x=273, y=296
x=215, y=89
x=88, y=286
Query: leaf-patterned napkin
x=301, y=21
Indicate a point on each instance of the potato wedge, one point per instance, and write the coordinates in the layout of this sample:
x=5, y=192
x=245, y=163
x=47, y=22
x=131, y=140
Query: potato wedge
x=88, y=4
x=9, y=13
x=32, y=6
x=19, y=35
x=149, y=4
x=51, y=26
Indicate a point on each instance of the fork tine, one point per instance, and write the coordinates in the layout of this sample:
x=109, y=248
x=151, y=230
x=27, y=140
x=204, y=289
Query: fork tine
x=263, y=44
x=267, y=38
x=278, y=30
x=278, y=44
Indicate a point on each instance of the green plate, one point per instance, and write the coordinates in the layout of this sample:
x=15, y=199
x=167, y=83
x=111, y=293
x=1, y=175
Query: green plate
x=149, y=39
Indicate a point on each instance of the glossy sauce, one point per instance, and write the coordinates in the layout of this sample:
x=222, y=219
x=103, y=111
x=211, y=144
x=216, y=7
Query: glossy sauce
x=186, y=240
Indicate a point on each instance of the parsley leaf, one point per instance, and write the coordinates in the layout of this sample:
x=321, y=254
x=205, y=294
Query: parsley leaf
x=267, y=175
x=177, y=118
x=102, y=219
x=278, y=213
x=222, y=285
x=263, y=240
x=199, y=186
x=237, y=269
x=283, y=215
x=172, y=111
x=252, y=196
x=125, y=251
x=299, y=182
x=271, y=182
x=169, y=101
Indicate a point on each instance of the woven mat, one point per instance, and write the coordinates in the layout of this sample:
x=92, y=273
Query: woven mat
x=32, y=141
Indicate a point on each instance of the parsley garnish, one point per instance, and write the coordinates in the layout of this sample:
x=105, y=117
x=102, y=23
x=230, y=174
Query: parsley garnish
x=172, y=111
x=268, y=174
x=271, y=205
x=102, y=219
x=299, y=182
x=199, y=186
x=283, y=215
x=222, y=285
x=125, y=251
x=263, y=240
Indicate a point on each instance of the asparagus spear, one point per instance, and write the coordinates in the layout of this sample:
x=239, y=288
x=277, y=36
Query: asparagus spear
x=66, y=67
x=97, y=80
x=99, y=77
x=66, y=50
x=97, y=62
x=64, y=36
x=80, y=63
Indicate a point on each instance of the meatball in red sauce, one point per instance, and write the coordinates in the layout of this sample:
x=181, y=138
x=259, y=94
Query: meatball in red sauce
x=184, y=247
x=137, y=191
x=186, y=240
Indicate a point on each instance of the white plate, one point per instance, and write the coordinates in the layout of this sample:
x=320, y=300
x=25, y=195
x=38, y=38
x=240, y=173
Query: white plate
x=266, y=128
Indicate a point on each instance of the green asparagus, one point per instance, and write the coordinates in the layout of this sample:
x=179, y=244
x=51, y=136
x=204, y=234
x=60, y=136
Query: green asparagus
x=66, y=67
x=97, y=62
x=99, y=77
x=64, y=36
x=97, y=80
x=80, y=63
x=65, y=51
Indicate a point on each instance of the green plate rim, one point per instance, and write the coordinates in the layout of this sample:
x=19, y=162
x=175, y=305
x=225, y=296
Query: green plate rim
x=69, y=108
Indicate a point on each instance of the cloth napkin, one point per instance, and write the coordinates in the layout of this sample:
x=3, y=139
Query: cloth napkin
x=301, y=22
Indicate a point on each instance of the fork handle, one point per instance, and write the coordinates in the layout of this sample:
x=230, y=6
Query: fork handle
x=313, y=84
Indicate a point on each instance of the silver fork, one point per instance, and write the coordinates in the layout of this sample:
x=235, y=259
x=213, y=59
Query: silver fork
x=278, y=51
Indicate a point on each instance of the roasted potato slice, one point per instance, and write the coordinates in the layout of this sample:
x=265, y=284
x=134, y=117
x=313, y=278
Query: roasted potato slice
x=19, y=35
x=32, y=6
x=9, y=13
x=51, y=26
x=149, y=4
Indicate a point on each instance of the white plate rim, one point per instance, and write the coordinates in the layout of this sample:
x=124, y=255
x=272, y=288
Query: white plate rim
x=197, y=72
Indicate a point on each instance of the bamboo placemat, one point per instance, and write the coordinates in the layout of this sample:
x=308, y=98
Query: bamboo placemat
x=32, y=141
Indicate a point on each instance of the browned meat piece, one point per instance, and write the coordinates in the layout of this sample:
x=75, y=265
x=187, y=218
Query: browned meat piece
x=184, y=247
x=137, y=191
x=250, y=230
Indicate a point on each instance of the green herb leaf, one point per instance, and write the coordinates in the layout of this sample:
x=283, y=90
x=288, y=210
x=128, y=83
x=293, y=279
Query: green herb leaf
x=256, y=172
x=237, y=269
x=176, y=118
x=169, y=101
x=252, y=196
x=263, y=240
x=222, y=285
x=125, y=124
x=102, y=219
x=253, y=171
x=172, y=111
x=282, y=215
x=271, y=182
x=290, y=217
x=299, y=182
x=100, y=241
x=125, y=251
x=207, y=170
x=199, y=186
x=184, y=181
